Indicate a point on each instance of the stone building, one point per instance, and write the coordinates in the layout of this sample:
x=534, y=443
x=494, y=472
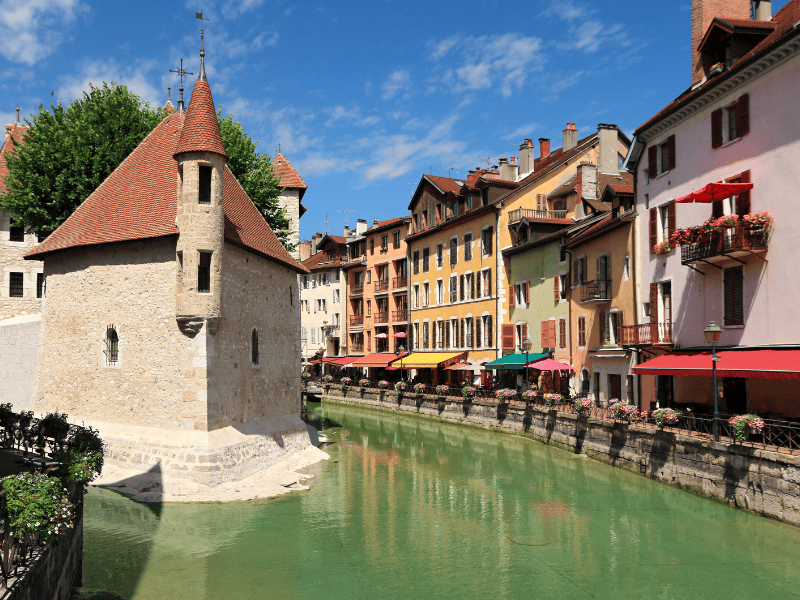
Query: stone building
x=22, y=281
x=294, y=188
x=171, y=321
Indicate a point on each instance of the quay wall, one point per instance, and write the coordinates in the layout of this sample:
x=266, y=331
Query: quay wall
x=760, y=481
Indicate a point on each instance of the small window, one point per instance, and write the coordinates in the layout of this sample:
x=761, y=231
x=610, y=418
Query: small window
x=468, y=247
x=15, y=286
x=582, y=332
x=112, y=346
x=254, y=346
x=626, y=267
x=487, y=238
x=39, y=285
x=426, y=259
x=396, y=239
x=16, y=234
x=204, y=273
x=385, y=242
x=204, y=190
x=664, y=157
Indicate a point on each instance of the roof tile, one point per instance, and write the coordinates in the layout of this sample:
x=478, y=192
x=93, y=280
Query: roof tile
x=201, y=131
x=15, y=132
x=290, y=178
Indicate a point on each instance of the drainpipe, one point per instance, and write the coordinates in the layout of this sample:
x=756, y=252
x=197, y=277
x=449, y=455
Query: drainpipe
x=636, y=276
x=566, y=252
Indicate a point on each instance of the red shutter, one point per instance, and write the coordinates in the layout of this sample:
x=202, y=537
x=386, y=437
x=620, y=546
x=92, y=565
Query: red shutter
x=734, y=296
x=653, y=228
x=652, y=161
x=508, y=337
x=527, y=292
x=556, y=294
x=743, y=115
x=672, y=157
x=743, y=201
x=551, y=333
x=653, y=312
x=544, y=335
x=512, y=297
x=716, y=128
x=671, y=221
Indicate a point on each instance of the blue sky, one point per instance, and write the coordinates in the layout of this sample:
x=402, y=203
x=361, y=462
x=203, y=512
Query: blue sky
x=365, y=97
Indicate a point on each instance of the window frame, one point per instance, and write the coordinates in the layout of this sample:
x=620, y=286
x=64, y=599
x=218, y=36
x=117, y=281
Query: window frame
x=255, y=355
x=16, y=290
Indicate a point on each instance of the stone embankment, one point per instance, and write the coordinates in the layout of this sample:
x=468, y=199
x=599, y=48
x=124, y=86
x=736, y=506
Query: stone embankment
x=760, y=481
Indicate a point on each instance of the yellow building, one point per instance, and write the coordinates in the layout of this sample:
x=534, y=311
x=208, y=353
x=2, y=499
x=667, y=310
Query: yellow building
x=453, y=261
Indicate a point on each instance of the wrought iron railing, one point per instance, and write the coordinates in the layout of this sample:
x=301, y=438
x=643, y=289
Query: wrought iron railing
x=356, y=319
x=356, y=290
x=400, y=282
x=646, y=333
x=382, y=317
x=725, y=241
x=400, y=315
x=517, y=215
x=382, y=285
x=598, y=290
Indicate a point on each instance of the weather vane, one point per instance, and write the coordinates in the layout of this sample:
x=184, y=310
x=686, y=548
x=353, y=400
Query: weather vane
x=181, y=73
x=202, y=75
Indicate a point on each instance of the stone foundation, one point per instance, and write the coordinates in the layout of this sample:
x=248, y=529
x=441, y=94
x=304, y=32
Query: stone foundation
x=760, y=481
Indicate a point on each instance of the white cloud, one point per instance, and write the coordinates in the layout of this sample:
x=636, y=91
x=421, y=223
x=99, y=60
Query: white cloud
x=320, y=164
x=266, y=39
x=586, y=33
x=98, y=71
x=490, y=60
x=399, y=81
x=32, y=30
x=353, y=114
x=520, y=132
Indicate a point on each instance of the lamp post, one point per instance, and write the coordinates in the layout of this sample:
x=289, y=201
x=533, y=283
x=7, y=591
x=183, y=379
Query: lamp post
x=713, y=333
x=526, y=345
x=401, y=350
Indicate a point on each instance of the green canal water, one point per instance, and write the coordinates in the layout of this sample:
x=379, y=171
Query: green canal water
x=411, y=508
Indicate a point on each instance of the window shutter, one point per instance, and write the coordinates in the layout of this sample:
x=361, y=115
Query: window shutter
x=447, y=334
x=508, y=336
x=618, y=332
x=545, y=341
x=574, y=275
x=512, y=296
x=567, y=291
x=653, y=312
x=472, y=286
x=527, y=292
x=743, y=115
x=478, y=341
x=671, y=146
x=556, y=294
x=551, y=333
x=487, y=281
x=461, y=285
x=652, y=161
x=478, y=284
x=671, y=221
x=743, y=201
x=471, y=333
x=653, y=228
x=489, y=331
x=462, y=333
x=524, y=333
x=602, y=328
x=716, y=128
x=734, y=297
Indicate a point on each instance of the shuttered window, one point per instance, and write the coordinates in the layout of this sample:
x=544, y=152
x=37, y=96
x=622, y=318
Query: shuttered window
x=508, y=337
x=562, y=333
x=734, y=296
x=582, y=332
x=653, y=228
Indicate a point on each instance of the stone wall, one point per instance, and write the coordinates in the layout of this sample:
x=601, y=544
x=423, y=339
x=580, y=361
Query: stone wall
x=763, y=482
x=11, y=261
x=19, y=344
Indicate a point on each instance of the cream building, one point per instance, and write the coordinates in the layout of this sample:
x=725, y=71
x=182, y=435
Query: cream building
x=171, y=321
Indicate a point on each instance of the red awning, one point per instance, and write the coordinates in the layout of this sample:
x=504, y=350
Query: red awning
x=754, y=364
x=377, y=359
x=341, y=360
x=713, y=192
x=548, y=364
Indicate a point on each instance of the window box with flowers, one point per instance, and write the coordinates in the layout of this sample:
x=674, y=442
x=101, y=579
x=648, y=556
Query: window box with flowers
x=468, y=392
x=551, y=400
x=582, y=406
x=504, y=396
x=419, y=389
x=665, y=417
x=746, y=425
x=661, y=248
x=441, y=390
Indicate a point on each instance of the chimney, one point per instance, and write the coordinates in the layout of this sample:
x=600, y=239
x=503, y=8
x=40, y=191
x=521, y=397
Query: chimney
x=570, y=137
x=526, y=157
x=586, y=180
x=703, y=12
x=608, y=152
x=763, y=11
x=375, y=222
x=361, y=226
x=346, y=231
x=544, y=147
x=508, y=169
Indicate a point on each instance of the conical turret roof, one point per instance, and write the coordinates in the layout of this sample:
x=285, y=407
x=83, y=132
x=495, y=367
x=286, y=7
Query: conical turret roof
x=201, y=129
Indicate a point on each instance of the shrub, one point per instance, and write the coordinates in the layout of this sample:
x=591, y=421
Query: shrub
x=664, y=417
x=82, y=461
x=36, y=505
x=744, y=425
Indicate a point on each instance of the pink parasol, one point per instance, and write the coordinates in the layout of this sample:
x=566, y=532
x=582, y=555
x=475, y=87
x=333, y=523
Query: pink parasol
x=548, y=364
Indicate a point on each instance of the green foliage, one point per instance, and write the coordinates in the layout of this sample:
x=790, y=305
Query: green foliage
x=69, y=151
x=82, y=461
x=257, y=176
x=35, y=504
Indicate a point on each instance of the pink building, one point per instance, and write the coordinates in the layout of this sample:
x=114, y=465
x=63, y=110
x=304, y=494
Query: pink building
x=738, y=123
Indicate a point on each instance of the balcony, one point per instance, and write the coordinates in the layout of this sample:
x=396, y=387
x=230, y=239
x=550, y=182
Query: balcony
x=382, y=317
x=331, y=331
x=382, y=285
x=399, y=316
x=515, y=216
x=724, y=244
x=399, y=282
x=646, y=334
x=596, y=291
x=356, y=320
x=357, y=290
x=356, y=347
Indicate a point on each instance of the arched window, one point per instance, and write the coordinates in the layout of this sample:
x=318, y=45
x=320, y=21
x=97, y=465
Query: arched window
x=112, y=346
x=254, y=346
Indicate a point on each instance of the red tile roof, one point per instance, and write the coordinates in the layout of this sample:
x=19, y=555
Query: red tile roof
x=389, y=223
x=16, y=132
x=784, y=21
x=320, y=260
x=138, y=201
x=446, y=184
x=201, y=131
x=290, y=178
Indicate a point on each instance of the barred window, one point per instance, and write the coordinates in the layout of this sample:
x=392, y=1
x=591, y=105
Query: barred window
x=39, y=285
x=204, y=273
x=254, y=356
x=15, y=289
x=16, y=234
x=112, y=346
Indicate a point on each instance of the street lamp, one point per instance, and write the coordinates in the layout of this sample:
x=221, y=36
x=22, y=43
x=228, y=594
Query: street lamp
x=527, y=345
x=713, y=333
x=401, y=350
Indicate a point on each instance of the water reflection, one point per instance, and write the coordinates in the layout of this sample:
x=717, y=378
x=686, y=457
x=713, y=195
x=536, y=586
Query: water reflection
x=419, y=509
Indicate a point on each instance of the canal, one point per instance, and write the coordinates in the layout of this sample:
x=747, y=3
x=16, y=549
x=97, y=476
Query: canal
x=411, y=508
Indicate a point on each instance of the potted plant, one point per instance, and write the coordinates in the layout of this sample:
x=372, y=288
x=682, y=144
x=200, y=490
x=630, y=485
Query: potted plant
x=346, y=381
x=745, y=425
x=716, y=69
x=529, y=396
x=582, y=406
x=400, y=388
x=468, y=392
x=54, y=426
x=622, y=410
x=419, y=389
x=552, y=399
x=758, y=220
x=661, y=248
x=441, y=390
x=328, y=380
x=664, y=417
x=504, y=396
x=363, y=383
x=725, y=222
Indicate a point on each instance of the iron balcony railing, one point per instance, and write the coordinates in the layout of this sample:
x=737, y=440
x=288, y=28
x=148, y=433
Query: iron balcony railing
x=646, y=334
x=598, y=290
x=356, y=347
x=515, y=216
x=724, y=242
x=382, y=317
x=382, y=285
x=399, y=315
x=399, y=282
x=356, y=319
x=356, y=290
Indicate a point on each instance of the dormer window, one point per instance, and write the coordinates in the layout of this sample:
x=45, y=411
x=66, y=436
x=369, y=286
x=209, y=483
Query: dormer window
x=204, y=185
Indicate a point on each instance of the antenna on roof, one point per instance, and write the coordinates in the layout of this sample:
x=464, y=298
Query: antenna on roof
x=450, y=171
x=412, y=190
x=347, y=216
x=202, y=75
x=488, y=161
x=326, y=221
x=181, y=73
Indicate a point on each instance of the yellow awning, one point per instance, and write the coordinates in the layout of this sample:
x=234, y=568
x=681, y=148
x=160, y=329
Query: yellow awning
x=427, y=360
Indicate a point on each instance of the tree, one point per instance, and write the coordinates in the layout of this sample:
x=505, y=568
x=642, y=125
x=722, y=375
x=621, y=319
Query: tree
x=69, y=151
x=257, y=176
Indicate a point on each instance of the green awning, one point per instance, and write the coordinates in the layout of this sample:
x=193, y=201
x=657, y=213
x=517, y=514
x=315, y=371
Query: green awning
x=515, y=361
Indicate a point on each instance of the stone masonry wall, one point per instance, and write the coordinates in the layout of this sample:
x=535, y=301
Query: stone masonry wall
x=289, y=201
x=767, y=483
x=19, y=345
x=11, y=261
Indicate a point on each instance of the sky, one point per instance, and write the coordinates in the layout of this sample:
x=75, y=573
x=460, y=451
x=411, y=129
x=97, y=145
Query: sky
x=365, y=97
